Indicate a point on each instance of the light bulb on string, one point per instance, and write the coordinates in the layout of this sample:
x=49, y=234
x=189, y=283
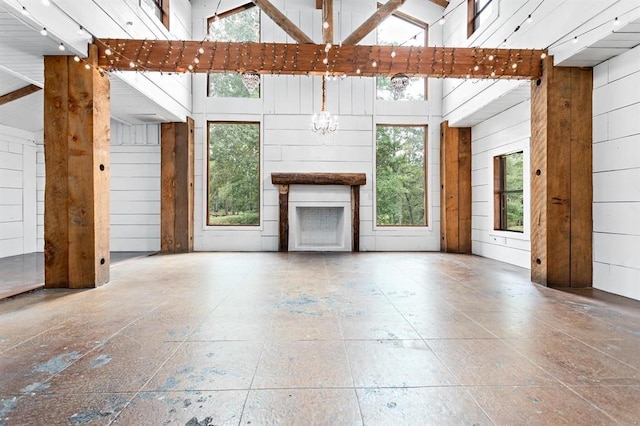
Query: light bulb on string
x=61, y=47
x=374, y=64
x=616, y=22
x=24, y=11
x=46, y=3
x=325, y=25
x=201, y=50
x=393, y=53
x=76, y=58
x=529, y=19
x=575, y=39
x=491, y=57
x=108, y=52
x=441, y=21
x=43, y=32
x=87, y=66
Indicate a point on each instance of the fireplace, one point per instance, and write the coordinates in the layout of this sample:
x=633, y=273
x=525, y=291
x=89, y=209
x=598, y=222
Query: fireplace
x=322, y=210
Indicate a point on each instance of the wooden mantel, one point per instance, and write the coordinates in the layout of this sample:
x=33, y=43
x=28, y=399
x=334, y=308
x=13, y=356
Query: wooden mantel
x=355, y=180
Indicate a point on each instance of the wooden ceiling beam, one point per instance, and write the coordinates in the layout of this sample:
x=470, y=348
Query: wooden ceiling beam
x=19, y=93
x=327, y=16
x=306, y=59
x=374, y=20
x=283, y=22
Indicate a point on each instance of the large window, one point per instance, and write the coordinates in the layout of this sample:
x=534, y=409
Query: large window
x=508, y=181
x=233, y=173
x=239, y=24
x=479, y=12
x=401, y=175
x=401, y=30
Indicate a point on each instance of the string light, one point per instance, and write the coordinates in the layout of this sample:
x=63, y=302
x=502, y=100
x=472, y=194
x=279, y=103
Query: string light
x=61, y=47
x=108, y=52
x=76, y=58
x=24, y=11
x=442, y=21
x=616, y=22
x=529, y=19
x=393, y=53
x=325, y=25
x=46, y=3
x=43, y=32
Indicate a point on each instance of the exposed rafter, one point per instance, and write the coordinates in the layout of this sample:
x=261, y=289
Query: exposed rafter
x=282, y=21
x=20, y=93
x=307, y=59
x=374, y=20
x=443, y=3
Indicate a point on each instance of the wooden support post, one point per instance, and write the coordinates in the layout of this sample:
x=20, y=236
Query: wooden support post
x=76, y=142
x=561, y=179
x=355, y=218
x=455, y=191
x=283, y=229
x=177, y=171
x=327, y=17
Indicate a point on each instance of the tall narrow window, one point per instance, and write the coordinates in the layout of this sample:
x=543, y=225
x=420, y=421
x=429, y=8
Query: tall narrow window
x=233, y=173
x=400, y=29
x=478, y=12
x=400, y=175
x=508, y=192
x=239, y=24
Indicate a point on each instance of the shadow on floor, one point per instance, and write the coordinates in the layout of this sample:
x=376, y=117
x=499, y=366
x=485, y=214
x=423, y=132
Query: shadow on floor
x=23, y=273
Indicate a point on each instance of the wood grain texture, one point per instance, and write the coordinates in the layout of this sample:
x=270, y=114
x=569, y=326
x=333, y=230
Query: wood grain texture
x=355, y=218
x=283, y=221
x=306, y=59
x=319, y=178
x=327, y=16
x=561, y=181
x=19, y=93
x=177, y=187
x=455, y=191
x=56, y=213
x=77, y=143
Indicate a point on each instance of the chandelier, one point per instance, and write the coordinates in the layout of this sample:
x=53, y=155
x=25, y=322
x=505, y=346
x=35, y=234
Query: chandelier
x=251, y=80
x=399, y=82
x=324, y=123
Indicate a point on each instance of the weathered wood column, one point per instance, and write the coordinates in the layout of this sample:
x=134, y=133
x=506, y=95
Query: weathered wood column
x=455, y=189
x=561, y=177
x=177, y=171
x=76, y=148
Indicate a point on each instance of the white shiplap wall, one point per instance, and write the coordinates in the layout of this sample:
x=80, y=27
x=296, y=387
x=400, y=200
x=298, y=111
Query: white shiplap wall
x=287, y=145
x=135, y=188
x=507, y=132
x=17, y=192
x=616, y=175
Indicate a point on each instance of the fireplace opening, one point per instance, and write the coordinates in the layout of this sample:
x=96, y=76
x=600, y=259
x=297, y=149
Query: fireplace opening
x=320, y=227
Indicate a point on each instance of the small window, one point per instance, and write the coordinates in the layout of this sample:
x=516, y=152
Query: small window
x=401, y=30
x=508, y=180
x=158, y=8
x=401, y=175
x=239, y=24
x=233, y=173
x=479, y=12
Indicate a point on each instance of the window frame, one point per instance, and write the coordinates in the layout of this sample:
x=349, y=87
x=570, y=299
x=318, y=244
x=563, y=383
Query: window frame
x=419, y=23
x=207, y=159
x=425, y=224
x=473, y=14
x=161, y=11
x=223, y=15
x=500, y=193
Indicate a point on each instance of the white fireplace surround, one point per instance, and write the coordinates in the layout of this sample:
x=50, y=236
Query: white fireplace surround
x=319, y=218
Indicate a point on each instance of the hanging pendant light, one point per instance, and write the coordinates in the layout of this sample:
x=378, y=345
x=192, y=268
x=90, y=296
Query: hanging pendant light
x=251, y=80
x=399, y=83
x=324, y=123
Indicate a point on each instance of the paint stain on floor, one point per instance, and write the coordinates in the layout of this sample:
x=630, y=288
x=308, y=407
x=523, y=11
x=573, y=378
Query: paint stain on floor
x=57, y=364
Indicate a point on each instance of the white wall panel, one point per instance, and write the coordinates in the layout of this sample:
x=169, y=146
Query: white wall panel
x=616, y=178
x=17, y=192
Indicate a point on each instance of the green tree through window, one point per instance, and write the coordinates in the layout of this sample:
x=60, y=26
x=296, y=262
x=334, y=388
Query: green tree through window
x=234, y=176
x=241, y=24
x=400, y=175
x=509, y=198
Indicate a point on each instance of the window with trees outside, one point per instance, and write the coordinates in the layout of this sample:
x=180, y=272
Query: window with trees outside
x=478, y=11
x=508, y=180
x=233, y=191
x=239, y=24
x=400, y=29
x=401, y=175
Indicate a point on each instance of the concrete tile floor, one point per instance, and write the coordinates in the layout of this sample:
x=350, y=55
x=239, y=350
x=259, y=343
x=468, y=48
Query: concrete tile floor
x=369, y=338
